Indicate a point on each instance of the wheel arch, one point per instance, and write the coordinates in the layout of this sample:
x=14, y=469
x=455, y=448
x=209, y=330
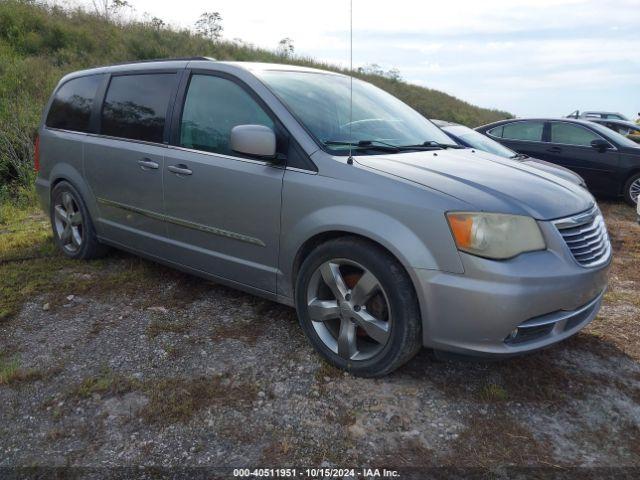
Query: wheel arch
x=314, y=241
x=64, y=172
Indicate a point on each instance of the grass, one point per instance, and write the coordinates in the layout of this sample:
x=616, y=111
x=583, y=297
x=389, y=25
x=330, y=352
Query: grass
x=12, y=373
x=106, y=383
x=158, y=326
x=492, y=392
x=32, y=266
x=178, y=399
x=497, y=440
x=171, y=400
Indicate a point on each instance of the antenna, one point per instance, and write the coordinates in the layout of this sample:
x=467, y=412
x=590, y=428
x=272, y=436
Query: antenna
x=350, y=159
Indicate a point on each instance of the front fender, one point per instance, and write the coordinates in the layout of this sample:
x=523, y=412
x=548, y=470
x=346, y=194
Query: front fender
x=417, y=236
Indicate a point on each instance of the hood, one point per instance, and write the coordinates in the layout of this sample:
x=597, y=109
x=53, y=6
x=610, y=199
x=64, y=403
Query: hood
x=554, y=169
x=487, y=182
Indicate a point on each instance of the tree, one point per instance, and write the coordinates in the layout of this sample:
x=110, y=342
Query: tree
x=157, y=23
x=393, y=74
x=106, y=8
x=209, y=25
x=285, y=47
x=375, y=69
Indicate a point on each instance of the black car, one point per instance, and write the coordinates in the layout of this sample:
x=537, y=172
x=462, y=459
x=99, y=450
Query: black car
x=608, y=161
x=469, y=138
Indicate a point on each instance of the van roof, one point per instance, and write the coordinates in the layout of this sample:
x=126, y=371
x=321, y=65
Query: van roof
x=193, y=61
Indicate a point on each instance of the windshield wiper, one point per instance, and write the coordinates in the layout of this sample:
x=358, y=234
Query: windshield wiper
x=519, y=156
x=433, y=143
x=388, y=147
x=367, y=144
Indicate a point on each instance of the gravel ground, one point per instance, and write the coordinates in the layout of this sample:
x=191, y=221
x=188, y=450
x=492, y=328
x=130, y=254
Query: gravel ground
x=131, y=364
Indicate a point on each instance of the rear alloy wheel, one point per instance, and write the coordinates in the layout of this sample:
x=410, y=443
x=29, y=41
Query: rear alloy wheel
x=632, y=189
x=72, y=226
x=357, y=306
x=68, y=223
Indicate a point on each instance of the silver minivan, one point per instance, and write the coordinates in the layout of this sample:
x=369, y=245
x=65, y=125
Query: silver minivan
x=326, y=194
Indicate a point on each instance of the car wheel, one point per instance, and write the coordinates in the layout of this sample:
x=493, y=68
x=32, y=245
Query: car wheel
x=73, y=229
x=632, y=189
x=357, y=306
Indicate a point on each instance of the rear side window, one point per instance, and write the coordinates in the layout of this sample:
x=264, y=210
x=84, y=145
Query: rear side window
x=212, y=108
x=135, y=106
x=71, y=106
x=529, y=131
x=569, y=134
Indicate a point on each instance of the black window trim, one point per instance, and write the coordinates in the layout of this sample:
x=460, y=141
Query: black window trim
x=170, y=104
x=280, y=129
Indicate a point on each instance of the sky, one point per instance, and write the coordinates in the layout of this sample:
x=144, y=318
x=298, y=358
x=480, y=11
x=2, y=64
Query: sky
x=529, y=57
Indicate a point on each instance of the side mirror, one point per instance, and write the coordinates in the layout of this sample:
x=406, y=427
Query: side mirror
x=254, y=140
x=600, y=144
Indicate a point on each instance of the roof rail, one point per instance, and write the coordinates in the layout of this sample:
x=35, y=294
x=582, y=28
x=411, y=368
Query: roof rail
x=152, y=60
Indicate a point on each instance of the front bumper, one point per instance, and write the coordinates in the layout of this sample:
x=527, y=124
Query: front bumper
x=546, y=295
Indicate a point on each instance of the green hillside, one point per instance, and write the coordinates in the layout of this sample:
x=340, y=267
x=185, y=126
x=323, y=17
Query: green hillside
x=39, y=44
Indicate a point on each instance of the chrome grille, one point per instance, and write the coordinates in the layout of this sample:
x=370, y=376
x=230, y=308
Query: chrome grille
x=586, y=236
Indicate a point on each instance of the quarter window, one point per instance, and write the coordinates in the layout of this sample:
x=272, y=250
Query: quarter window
x=529, y=131
x=136, y=106
x=72, y=104
x=569, y=134
x=213, y=106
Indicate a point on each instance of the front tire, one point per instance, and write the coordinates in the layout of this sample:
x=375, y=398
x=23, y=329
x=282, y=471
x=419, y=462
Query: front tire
x=357, y=306
x=73, y=229
x=632, y=189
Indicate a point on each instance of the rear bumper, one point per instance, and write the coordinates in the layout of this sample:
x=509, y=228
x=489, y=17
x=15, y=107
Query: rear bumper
x=43, y=192
x=545, y=295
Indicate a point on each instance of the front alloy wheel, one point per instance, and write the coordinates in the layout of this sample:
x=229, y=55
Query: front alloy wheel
x=358, y=307
x=349, y=309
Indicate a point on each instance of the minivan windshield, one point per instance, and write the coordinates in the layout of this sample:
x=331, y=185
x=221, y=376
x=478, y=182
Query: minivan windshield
x=321, y=102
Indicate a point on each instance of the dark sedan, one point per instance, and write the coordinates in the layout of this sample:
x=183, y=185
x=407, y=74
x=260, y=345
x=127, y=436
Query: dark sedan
x=469, y=138
x=608, y=161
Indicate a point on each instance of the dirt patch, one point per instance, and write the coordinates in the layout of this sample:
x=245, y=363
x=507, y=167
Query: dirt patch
x=178, y=399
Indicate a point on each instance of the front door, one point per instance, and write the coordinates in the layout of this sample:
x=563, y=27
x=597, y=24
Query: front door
x=222, y=209
x=124, y=164
x=570, y=146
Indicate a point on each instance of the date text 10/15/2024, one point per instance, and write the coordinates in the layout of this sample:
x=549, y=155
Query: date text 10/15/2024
x=313, y=473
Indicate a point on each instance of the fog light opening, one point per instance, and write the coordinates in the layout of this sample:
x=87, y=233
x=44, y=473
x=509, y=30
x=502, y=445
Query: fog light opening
x=512, y=335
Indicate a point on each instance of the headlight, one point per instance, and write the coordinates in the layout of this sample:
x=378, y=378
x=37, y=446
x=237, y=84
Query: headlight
x=495, y=235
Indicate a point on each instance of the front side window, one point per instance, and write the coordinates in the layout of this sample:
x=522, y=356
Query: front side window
x=322, y=103
x=213, y=106
x=72, y=104
x=135, y=106
x=528, y=131
x=569, y=134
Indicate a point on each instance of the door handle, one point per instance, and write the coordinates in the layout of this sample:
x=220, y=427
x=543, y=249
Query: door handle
x=147, y=164
x=179, y=169
x=554, y=150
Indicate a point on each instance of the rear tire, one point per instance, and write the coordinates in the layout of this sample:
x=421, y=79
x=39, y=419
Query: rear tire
x=358, y=308
x=632, y=189
x=73, y=229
